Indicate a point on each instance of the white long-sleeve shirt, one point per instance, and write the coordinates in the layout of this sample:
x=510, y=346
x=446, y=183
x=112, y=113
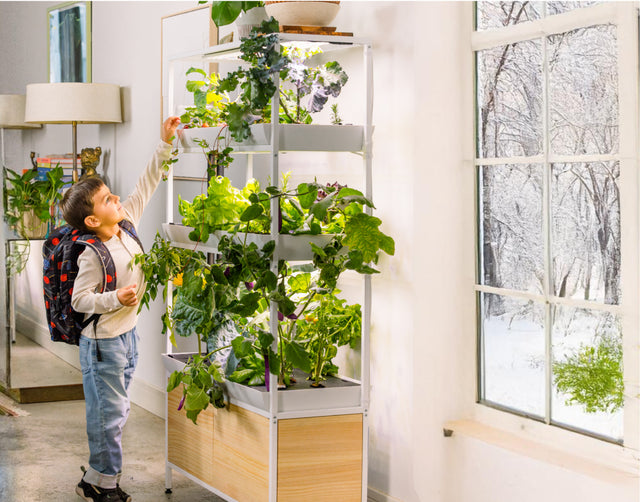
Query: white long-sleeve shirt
x=117, y=319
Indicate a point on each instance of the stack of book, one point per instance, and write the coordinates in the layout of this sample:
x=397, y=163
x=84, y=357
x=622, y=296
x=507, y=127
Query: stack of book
x=44, y=164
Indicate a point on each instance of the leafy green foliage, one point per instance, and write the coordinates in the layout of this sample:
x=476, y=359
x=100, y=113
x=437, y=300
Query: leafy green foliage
x=208, y=102
x=201, y=381
x=219, y=209
x=255, y=83
x=226, y=12
x=24, y=194
x=330, y=323
x=362, y=234
x=592, y=376
x=311, y=84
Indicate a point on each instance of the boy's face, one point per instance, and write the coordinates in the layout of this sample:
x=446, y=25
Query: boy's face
x=106, y=207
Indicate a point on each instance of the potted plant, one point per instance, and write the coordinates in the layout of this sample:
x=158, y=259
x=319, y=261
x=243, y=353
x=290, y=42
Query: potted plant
x=266, y=303
x=303, y=13
x=226, y=12
x=313, y=320
x=304, y=91
x=29, y=208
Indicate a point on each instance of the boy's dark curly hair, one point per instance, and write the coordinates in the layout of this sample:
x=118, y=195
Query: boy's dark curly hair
x=77, y=202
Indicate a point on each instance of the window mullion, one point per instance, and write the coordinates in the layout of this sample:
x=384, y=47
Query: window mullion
x=546, y=231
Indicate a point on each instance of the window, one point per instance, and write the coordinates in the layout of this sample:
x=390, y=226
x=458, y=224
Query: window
x=556, y=202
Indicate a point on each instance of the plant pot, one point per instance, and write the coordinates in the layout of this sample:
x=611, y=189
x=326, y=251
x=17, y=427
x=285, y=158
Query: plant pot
x=336, y=393
x=317, y=457
x=291, y=247
x=309, y=13
x=32, y=227
x=248, y=20
x=293, y=137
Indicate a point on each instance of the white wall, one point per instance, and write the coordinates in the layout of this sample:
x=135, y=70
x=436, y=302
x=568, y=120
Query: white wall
x=423, y=324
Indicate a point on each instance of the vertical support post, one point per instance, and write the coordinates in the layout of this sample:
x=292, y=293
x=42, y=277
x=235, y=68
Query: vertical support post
x=365, y=350
x=6, y=316
x=170, y=111
x=168, y=473
x=5, y=337
x=74, y=133
x=249, y=171
x=2, y=146
x=273, y=307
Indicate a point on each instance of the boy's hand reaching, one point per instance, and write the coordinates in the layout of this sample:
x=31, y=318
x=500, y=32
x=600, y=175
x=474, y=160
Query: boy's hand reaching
x=169, y=129
x=127, y=295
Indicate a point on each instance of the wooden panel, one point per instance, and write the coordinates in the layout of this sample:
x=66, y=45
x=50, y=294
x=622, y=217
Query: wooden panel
x=47, y=394
x=320, y=459
x=241, y=462
x=190, y=446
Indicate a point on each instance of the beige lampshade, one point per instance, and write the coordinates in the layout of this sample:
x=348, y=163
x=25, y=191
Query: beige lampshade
x=68, y=102
x=12, y=112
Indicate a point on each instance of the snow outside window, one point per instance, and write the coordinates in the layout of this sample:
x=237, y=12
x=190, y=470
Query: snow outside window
x=557, y=296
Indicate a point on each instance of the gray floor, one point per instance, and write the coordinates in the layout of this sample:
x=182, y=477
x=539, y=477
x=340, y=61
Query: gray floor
x=32, y=366
x=41, y=452
x=41, y=455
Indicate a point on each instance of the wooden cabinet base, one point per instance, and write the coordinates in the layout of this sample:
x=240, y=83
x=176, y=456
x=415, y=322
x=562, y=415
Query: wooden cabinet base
x=319, y=458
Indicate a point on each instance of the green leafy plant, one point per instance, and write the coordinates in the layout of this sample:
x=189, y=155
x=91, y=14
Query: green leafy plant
x=335, y=116
x=201, y=384
x=226, y=12
x=30, y=203
x=329, y=323
x=208, y=102
x=592, y=376
x=315, y=85
x=255, y=82
x=25, y=194
x=299, y=82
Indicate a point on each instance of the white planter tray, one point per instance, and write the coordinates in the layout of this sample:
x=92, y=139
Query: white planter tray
x=337, y=393
x=293, y=137
x=290, y=247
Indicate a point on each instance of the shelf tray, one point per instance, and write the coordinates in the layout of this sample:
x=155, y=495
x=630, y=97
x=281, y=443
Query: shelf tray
x=337, y=393
x=293, y=138
x=290, y=247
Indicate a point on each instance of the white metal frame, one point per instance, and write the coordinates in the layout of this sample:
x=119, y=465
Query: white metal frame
x=231, y=51
x=624, y=16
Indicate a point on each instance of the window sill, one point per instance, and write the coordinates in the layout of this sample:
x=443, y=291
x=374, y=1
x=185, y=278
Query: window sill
x=607, y=468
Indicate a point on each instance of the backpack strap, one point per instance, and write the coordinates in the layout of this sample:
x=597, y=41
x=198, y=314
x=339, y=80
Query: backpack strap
x=128, y=227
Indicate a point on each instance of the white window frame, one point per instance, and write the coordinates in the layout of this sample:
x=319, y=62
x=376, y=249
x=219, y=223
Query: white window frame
x=625, y=16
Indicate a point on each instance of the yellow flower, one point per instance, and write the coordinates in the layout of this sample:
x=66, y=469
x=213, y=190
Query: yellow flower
x=177, y=280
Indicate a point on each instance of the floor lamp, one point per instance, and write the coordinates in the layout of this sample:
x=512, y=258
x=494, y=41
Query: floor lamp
x=73, y=103
x=11, y=117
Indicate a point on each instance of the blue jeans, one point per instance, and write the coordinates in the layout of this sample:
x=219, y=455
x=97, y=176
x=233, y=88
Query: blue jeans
x=105, y=385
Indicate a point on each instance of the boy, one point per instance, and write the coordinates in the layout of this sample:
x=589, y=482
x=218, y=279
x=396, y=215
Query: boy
x=108, y=349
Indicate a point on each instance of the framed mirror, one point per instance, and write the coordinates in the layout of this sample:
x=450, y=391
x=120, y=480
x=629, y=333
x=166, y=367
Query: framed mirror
x=70, y=42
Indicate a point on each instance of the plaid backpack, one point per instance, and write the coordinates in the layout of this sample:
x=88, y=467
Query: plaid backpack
x=60, y=255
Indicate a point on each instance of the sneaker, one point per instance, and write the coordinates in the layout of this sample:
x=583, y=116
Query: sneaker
x=96, y=494
x=124, y=496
